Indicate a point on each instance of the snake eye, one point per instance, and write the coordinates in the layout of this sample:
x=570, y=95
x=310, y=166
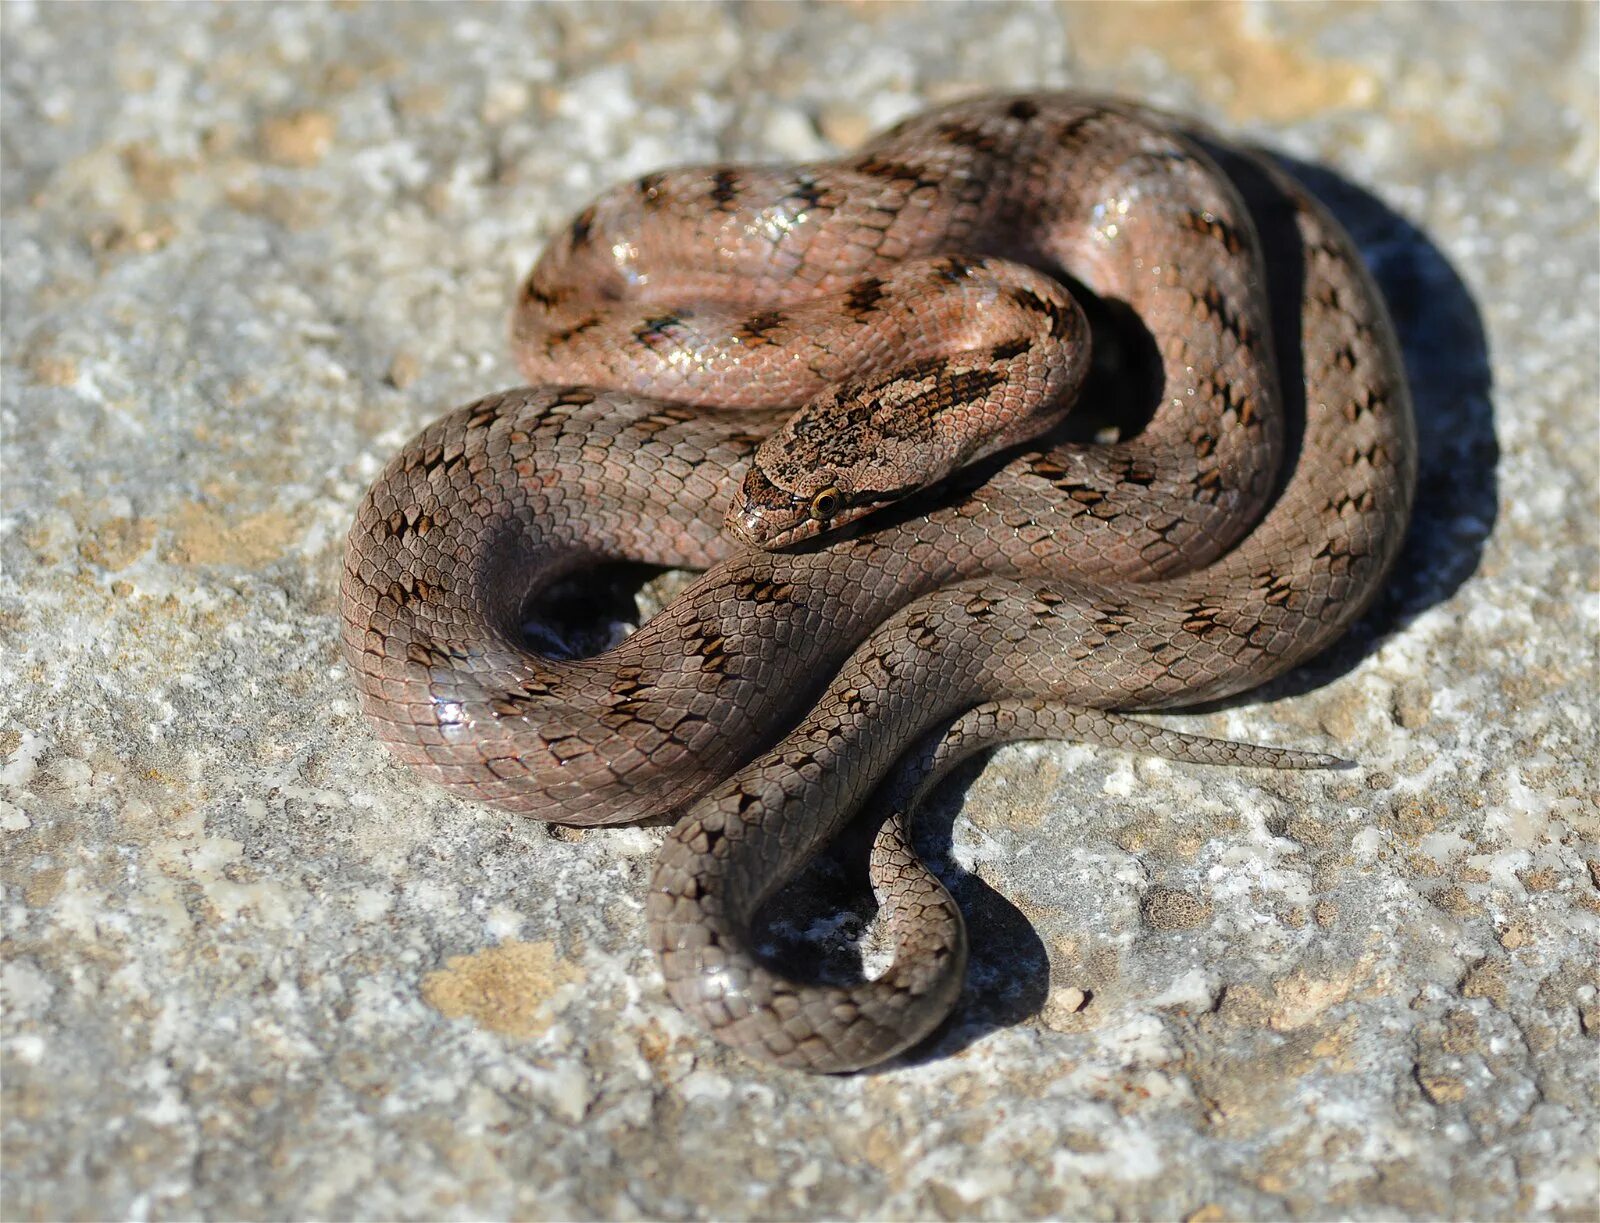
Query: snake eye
x=825, y=504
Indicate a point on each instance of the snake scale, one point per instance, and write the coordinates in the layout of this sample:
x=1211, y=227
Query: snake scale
x=851, y=630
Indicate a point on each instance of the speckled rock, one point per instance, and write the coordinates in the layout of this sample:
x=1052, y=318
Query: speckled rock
x=251, y=969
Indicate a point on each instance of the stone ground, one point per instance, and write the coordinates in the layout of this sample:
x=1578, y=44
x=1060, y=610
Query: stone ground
x=252, y=970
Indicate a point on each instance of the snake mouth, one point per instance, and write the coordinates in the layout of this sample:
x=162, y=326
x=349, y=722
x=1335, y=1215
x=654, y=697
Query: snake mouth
x=770, y=518
x=766, y=517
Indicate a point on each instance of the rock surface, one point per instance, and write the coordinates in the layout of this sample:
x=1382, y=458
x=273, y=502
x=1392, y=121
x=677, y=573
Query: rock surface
x=252, y=970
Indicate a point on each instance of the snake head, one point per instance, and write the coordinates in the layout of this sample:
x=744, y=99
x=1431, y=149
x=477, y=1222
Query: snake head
x=849, y=452
x=868, y=442
x=766, y=515
x=781, y=503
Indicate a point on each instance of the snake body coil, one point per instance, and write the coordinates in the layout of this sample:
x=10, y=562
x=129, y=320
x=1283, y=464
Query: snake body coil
x=1032, y=595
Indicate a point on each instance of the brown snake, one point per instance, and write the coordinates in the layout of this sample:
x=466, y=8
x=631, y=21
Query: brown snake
x=1030, y=595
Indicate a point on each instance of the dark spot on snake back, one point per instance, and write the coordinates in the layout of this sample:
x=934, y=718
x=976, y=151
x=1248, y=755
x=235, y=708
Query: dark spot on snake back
x=657, y=327
x=1214, y=227
x=807, y=192
x=650, y=190
x=759, y=327
x=894, y=171
x=562, y=335
x=863, y=297
x=1074, y=130
x=955, y=268
x=1061, y=321
x=582, y=226
x=724, y=189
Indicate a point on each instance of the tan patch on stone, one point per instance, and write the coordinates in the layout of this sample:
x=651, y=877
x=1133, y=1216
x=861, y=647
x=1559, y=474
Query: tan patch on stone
x=1562, y=987
x=301, y=139
x=506, y=989
x=1542, y=880
x=1455, y=901
x=885, y=1150
x=1146, y=834
x=1341, y=721
x=654, y=1044
x=1487, y=979
x=1415, y=818
x=947, y=1202
x=44, y=886
x=1223, y=49
x=1441, y=1088
x=1460, y=1034
x=845, y=126
x=1296, y=1001
x=1412, y=705
x=117, y=543
x=296, y=209
x=1081, y=1143
x=1334, y=1047
x=1282, y=1165
x=204, y=535
x=1300, y=999
x=1134, y=838
x=1423, y=866
x=136, y=239
x=1169, y=909
x=220, y=140
x=1309, y=830
x=153, y=176
x=1103, y=964
x=1022, y=805
x=422, y=101
x=345, y=76
x=404, y=370
x=1517, y=934
x=53, y=371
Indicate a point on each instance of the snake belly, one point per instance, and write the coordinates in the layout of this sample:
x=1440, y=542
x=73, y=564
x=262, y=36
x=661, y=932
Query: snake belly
x=1035, y=595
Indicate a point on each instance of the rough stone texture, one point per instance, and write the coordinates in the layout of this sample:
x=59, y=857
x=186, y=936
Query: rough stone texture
x=252, y=970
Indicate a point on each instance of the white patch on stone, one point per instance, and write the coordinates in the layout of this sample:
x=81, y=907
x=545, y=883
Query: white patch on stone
x=27, y=991
x=23, y=762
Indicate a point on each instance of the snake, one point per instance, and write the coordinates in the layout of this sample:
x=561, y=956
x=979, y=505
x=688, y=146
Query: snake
x=846, y=392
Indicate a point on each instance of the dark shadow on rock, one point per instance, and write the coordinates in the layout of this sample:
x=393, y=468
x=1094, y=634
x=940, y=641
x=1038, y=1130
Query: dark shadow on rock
x=1008, y=970
x=590, y=610
x=813, y=929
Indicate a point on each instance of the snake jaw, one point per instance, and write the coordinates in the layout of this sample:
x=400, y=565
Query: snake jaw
x=765, y=516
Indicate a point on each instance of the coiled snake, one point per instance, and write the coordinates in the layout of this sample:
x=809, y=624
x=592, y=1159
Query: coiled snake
x=1031, y=594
